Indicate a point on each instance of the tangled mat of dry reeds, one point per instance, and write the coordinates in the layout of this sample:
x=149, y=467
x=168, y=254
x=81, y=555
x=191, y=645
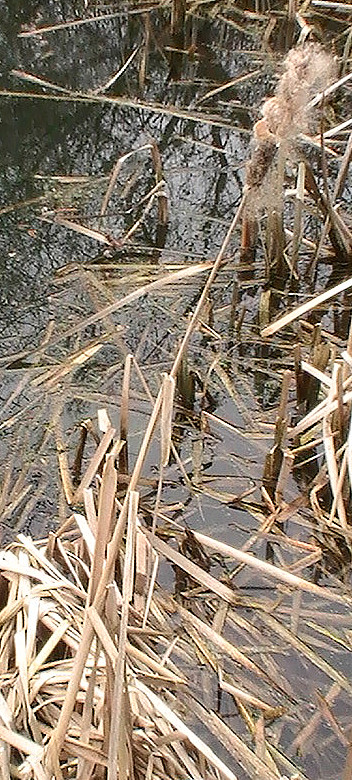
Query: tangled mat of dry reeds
x=101, y=667
x=131, y=646
x=104, y=671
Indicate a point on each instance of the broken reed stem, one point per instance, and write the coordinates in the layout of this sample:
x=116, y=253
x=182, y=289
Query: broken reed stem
x=207, y=286
x=166, y=417
x=291, y=18
x=297, y=223
x=163, y=210
x=116, y=740
x=276, y=236
x=337, y=494
x=123, y=457
x=178, y=18
x=105, y=511
x=58, y=736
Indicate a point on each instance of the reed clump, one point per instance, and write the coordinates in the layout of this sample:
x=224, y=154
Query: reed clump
x=307, y=69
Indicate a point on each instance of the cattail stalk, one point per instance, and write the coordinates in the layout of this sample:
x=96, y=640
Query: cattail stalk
x=307, y=69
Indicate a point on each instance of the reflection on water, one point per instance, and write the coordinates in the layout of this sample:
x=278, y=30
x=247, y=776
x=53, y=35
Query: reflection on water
x=58, y=157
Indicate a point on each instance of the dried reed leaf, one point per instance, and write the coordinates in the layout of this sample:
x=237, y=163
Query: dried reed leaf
x=91, y=514
x=54, y=375
x=96, y=235
x=268, y=570
x=313, y=371
x=246, y=697
x=307, y=732
x=63, y=465
x=58, y=578
x=222, y=645
x=94, y=464
x=21, y=74
x=116, y=75
x=10, y=566
x=154, y=108
x=66, y=25
x=306, y=307
x=164, y=710
x=115, y=172
x=79, y=749
x=48, y=648
x=142, y=571
x=168, y=390
x=151, y=585
x=317, y=414
x=194, y=571
x=170, y=278
x=87, y=534
x=21, y=743
x=298, y=216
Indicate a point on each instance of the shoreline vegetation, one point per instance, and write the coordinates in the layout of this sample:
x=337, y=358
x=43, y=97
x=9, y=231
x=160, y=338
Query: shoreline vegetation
x=135, y=644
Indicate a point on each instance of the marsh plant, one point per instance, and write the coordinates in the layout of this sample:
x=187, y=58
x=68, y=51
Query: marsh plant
x=308, y=69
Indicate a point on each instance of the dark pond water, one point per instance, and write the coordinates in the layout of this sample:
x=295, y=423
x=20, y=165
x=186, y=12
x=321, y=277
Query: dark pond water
x=57, y=156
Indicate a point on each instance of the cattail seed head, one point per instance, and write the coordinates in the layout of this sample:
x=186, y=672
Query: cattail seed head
x=307, y=70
